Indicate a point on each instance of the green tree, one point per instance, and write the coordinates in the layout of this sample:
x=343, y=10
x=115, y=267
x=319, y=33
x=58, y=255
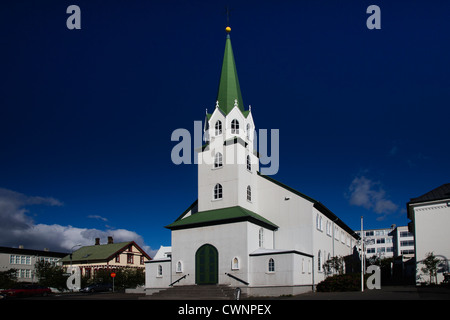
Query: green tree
x=334, y=265
x=125, y=278
x=431, y=264
x=8, y=279
x=50, y=275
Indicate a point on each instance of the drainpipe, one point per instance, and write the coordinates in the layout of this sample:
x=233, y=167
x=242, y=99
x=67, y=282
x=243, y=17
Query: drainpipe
x=312, y=275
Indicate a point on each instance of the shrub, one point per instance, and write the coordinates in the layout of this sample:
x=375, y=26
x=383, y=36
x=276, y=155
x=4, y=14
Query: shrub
x=344, y=282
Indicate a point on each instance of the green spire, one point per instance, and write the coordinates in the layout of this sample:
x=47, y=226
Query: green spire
x=229, y=89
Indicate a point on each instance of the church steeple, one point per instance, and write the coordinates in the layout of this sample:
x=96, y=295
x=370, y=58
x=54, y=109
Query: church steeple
x=229, y=91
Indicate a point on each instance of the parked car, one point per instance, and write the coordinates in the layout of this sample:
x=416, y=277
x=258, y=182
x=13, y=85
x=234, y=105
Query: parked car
x=26, y=291
x=97, y=287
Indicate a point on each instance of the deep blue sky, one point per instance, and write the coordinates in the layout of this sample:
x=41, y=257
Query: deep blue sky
x=86, y=116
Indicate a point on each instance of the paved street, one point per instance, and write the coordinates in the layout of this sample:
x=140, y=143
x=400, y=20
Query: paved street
x=385, y=293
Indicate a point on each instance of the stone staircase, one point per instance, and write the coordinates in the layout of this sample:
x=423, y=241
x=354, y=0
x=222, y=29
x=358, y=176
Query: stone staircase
x=196, y=292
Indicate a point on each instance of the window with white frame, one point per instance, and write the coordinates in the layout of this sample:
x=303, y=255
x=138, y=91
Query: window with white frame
x=160, y=271
x=234, y=126
x=248, y=131
x=329, y=228
x=249, y=193
x=218, y=163
x=319, y=222
x=179, y=267
x=235, y=264
x=271, y=266
x=261, y=237
x=218, y=191
x=249, y=164
x=218, y=127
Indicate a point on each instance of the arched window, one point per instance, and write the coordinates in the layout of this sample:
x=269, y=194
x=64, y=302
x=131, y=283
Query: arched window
x=218, y=191
x=159, y=271
x=249, y=164
x=179, y=266
x=249, y=193
x=248, y=131
x=271, y=265
x=218, y=160
x=235, y=126
x=319, y=224
x=218, y=127
x=235, y=264
x=261, y=237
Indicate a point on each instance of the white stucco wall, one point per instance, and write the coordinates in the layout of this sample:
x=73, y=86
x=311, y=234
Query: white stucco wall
x=231, y=240
x=431, y=223
x=152, y=278
x=291, y=213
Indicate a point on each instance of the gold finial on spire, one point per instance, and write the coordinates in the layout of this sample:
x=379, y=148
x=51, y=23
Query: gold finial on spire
x=228, y=29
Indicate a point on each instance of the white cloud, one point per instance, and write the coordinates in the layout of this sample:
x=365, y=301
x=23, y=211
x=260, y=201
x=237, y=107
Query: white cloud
x=368, y=194
x=18, y=228
x=96, y=216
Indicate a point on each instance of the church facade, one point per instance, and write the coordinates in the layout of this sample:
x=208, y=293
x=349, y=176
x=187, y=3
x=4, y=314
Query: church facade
x=246, y=229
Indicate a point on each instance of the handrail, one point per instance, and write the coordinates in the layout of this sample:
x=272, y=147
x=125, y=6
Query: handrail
x=236, y=278
x=170, y=285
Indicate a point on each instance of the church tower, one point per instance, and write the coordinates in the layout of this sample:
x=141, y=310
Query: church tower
x=228, y=162
x=245, y=229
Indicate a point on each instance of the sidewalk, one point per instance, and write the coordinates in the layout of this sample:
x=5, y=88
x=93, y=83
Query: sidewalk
x=385, y=293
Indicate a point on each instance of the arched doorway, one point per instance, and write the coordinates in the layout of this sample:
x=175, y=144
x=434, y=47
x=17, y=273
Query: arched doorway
x=206, y=265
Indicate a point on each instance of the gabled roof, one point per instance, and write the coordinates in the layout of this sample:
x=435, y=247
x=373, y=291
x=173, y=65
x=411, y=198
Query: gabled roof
x=221, y=216
x=229, y=89
x=103, y=252
x=439, y=193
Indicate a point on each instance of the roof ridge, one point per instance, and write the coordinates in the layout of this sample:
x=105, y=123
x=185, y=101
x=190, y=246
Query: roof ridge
x=215, y=216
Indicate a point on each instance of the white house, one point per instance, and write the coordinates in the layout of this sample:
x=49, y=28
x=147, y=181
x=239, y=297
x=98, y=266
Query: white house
x=430, y=218
x=246, y=229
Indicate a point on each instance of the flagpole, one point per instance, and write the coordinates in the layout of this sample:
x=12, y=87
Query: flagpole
x=362, y=256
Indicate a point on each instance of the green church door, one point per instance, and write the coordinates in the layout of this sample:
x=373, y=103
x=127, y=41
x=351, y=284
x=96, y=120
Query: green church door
x=206, y=265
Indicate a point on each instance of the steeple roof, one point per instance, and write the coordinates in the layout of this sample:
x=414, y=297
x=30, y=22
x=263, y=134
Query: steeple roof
x=229, y=89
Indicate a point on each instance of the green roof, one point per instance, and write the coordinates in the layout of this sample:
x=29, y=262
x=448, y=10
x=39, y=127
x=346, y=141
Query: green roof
x=221, y=216
x=229, y=89
x=96, y=252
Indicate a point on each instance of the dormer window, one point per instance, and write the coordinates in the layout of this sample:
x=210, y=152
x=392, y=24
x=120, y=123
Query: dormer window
x=218, y=127
x=234, y=127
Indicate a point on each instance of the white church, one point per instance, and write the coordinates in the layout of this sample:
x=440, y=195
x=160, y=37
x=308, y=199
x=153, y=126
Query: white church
x=245, y=229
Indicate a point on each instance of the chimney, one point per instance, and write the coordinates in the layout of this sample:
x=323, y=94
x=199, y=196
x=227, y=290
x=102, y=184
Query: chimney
x=97, y=241
x=110, y=240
